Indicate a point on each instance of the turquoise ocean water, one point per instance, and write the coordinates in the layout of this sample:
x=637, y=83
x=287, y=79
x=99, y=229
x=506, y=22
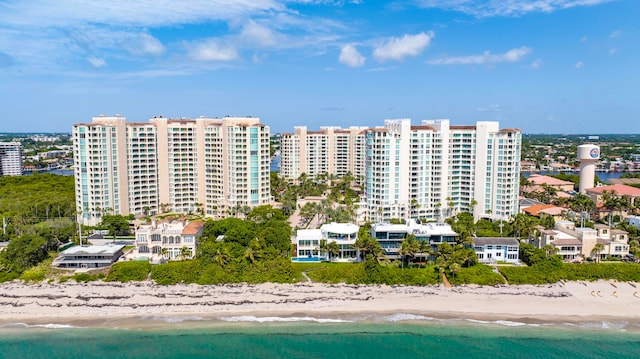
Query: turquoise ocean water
x=400, y=336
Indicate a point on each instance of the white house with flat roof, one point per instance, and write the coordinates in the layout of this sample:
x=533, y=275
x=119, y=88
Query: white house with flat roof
x=391, y=236
x=86, y=257
x=309, y=241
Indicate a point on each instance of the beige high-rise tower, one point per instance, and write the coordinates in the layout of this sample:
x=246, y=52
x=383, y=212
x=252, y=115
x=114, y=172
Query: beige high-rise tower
x=216, y=166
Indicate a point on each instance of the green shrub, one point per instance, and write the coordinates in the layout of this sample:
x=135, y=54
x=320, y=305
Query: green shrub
x=34, y=274
x=478, y=274
x=541, y=274
x=129, y=271
x=177, y=272
x=86, y=277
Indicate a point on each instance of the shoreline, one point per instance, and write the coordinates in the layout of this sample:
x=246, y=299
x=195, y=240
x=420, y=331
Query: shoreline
x=140, y=305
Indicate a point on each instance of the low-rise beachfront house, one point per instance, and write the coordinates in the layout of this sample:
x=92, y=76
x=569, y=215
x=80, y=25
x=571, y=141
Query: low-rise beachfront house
x=309, y=242
x=87, y=257
x=391, y=236
x=491, y=250
x=576, y=244
x=167, y=239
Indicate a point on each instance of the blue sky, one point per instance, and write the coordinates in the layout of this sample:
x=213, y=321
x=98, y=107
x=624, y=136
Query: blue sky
x=544, y=66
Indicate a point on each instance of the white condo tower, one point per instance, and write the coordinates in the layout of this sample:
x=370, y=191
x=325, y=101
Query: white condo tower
x=588, y=155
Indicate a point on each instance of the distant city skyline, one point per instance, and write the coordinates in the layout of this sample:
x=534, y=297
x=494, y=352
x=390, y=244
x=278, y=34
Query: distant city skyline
x=544, y=66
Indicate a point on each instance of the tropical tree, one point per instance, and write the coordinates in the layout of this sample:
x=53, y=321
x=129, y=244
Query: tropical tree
x=185, y=252
x=222, y=256
x=550, y=250
x=163, y=253
x=250, y=255
x=454, y=268
x=116, y=224
x=472, y=207
x=365, y=245
x=597, y=249
x=332, y=249
x=409, y=247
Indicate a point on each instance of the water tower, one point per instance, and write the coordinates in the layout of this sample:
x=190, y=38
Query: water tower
x=588, y=155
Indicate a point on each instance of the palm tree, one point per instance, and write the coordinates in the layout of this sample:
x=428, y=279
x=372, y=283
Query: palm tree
x=454, y=268
x=610, y=202
x=250, y=254
x=550, y=249
x=472, y=207
x=410, y=246
x=597, y=249
x=185, y=252
x=333, y=249
x=163, y=253
x=359, y=246
x=222, y=256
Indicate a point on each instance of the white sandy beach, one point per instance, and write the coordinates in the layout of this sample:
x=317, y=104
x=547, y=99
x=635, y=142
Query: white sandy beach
x=100, y=304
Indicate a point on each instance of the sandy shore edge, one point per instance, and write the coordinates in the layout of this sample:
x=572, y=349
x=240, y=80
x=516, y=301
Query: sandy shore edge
x=144, y=304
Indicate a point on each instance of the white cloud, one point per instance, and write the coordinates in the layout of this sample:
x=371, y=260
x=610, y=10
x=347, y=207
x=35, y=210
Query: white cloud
x=536, y=64
x=514, y=8
x=144, y=44
x=579, y=65
x=612, y=51
x=350, y=56
x=254, y=33
x=615, y=34
x=96, y=62
x=399, y=48
x=210, y=50
x=512, y=55
x=149, y=13
x=54, y=35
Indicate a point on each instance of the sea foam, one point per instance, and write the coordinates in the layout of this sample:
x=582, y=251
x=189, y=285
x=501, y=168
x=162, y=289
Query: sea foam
x=251, y=318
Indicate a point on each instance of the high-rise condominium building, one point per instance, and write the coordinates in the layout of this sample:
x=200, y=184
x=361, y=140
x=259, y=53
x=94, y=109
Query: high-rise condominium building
x=434, y=170
x=214, y=166
x=332, y=151
x=10, y=159
x=431, y=171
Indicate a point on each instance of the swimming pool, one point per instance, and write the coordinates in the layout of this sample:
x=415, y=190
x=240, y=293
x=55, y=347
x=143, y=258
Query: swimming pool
x=307, y=259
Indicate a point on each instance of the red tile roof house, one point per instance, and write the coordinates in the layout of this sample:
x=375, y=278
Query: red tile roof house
x=537, y=181
x=539, y=209
x=596, y=195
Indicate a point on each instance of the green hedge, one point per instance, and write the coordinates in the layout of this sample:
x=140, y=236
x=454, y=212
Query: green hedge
x=129, y=271
x=542, y=274
x=176, y=272
x=478, y=274
x=359, y=274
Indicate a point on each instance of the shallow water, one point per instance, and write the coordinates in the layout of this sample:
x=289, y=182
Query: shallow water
x=372, y=336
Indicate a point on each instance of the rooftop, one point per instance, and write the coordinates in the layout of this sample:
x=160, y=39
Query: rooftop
x=618, y=189
x=501, y=241
x=109, y=249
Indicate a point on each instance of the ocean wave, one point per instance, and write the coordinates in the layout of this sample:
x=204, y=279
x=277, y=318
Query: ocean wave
x=398, y=317
x=45, y=326
x=505, y=323
x=251, y=318
x=172, y=320
x=622, y=325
